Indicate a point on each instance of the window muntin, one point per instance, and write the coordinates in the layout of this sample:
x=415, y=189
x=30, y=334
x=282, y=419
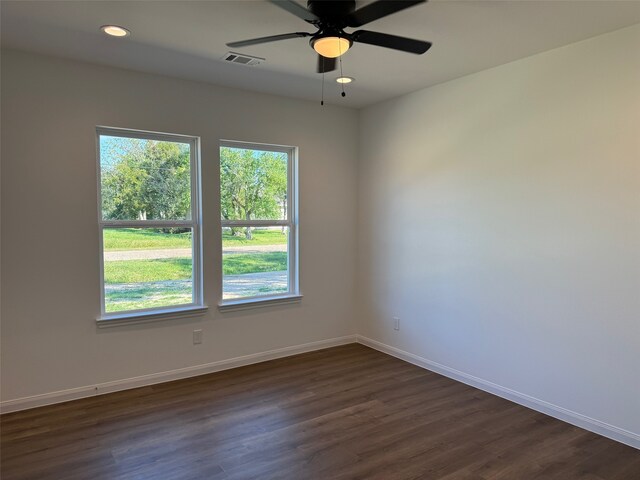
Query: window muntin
x=148, y=217
x=259, y=221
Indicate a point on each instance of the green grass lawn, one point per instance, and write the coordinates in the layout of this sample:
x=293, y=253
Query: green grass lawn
x=150, y=239
x=143, y=239
x=260, y=237
x=137, y=271
x=254, y=263
x=157, y=270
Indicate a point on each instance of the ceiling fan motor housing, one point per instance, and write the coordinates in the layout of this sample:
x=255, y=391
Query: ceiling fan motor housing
x=332, y=11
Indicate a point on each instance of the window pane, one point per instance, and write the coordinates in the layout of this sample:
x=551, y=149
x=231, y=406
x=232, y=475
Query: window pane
x=144, y=179
x=146, y=268
x=254, y=262
x=253, y=184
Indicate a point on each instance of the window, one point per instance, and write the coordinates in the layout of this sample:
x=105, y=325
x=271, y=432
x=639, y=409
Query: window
x=259, y=222
x=148, y=201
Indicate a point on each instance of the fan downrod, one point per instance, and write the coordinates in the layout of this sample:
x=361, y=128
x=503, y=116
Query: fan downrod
x=333, y=10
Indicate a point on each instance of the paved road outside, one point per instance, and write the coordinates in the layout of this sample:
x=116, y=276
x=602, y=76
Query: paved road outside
x=185, y=252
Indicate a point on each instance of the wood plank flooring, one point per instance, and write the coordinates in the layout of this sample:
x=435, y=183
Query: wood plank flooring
x=348, y=412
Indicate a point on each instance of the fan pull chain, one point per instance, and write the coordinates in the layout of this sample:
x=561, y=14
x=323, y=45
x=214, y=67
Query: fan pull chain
x=340, y=59
x=322, y=99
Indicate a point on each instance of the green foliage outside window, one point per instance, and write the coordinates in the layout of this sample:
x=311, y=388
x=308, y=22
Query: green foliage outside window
x=253, y=185
x=146, y=180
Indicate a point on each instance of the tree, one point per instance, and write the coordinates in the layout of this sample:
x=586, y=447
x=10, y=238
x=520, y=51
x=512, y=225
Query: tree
x=146, y=179
x=253, y=185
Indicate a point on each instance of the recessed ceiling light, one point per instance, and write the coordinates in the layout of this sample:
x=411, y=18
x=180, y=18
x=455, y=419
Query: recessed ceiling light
x=345, y=79
x=115, y=30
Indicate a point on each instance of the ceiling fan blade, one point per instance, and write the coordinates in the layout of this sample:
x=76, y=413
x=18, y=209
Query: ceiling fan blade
x=272, y=38
x=377, y=10
x=326, y=64
x=391, y=41
x=296, y=9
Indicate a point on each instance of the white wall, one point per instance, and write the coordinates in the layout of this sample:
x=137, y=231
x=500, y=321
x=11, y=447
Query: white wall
x=499, y=219
x=50, y=287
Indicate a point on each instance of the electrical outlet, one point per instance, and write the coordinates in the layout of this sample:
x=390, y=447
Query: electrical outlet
x=396, y=323
x=197, y=337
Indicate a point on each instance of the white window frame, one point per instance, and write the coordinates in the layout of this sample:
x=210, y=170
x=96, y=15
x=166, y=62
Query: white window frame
x=156, y=313
x=293, y=294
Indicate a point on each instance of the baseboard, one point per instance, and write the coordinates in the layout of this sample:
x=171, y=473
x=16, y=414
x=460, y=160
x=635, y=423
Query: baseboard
x=574, y=418
x=154, y=378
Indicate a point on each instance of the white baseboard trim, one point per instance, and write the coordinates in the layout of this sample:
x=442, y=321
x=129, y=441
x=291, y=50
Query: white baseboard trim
x=596, y=426
x=151, y=379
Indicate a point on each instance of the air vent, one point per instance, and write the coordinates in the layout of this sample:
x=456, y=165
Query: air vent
x=242, y=59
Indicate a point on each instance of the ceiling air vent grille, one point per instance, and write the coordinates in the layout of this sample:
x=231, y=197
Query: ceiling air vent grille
x=242, y=59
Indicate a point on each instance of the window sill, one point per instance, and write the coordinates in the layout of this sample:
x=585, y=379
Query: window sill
x=249, y=303
x=118, y=319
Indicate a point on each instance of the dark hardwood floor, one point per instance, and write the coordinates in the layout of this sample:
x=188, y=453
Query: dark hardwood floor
x=342, y=413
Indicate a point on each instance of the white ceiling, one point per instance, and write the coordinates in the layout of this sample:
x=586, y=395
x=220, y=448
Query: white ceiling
x=187, y=39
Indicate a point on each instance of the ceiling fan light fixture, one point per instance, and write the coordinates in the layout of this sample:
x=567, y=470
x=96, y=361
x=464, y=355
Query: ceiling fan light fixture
x=331, y=47
x=345, y=79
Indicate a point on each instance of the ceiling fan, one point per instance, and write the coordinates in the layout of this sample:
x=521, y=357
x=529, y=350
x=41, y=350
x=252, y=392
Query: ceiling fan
x=330, y=41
